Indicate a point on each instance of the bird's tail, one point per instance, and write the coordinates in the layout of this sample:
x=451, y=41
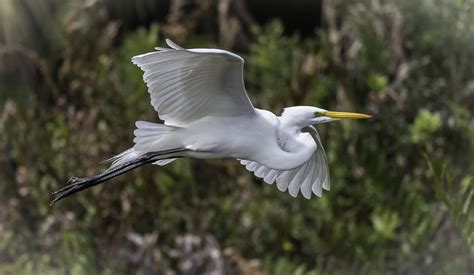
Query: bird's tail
x=149, y=137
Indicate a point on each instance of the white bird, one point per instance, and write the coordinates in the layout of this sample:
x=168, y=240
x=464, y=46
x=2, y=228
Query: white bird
x=200, y=96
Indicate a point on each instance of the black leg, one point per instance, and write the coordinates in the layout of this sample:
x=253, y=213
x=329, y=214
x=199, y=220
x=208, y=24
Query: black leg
x=75, y=184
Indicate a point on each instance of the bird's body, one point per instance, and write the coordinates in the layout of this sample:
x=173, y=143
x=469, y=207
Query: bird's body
x=200, y=96
x=260, y=137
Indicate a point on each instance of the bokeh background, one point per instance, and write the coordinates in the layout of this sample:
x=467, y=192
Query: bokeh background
x=402, y=183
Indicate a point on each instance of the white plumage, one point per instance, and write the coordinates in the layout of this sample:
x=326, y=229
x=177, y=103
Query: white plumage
x=186, y=85
x=311, y=176
x=200, y=96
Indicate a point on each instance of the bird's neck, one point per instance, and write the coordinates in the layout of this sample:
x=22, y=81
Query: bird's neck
x=296, y=146
x=290, y=138
x=290, y=148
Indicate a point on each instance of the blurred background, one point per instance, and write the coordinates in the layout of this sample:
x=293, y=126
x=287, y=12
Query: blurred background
x=402, y=183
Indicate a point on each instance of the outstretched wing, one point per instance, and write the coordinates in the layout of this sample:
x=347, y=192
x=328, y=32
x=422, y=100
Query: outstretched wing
x=188, y=84
x=311, y=176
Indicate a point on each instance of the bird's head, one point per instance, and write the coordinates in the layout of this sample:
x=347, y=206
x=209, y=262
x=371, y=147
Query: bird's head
x=304, y=116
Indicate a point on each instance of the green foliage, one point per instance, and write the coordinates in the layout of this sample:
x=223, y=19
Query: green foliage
x=385, y=222
x=426, y=123
x=459, y=202
x=272, y=65
x=377, y=82
x=456, y=190
x=282, y=266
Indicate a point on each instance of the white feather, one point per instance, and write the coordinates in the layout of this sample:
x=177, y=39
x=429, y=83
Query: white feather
x=311, y=176
x=186, y=85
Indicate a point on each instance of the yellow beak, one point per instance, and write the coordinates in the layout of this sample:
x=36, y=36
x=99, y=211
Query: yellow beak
x=344, y=115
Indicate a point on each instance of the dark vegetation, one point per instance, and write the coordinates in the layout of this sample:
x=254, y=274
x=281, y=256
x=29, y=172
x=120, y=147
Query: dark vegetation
x=402, y=183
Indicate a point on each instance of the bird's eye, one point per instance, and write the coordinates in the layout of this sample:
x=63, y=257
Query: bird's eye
x=318, y=114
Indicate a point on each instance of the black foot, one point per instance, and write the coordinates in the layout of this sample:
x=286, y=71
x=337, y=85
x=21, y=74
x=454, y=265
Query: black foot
x=74, y=185
x=70, y=183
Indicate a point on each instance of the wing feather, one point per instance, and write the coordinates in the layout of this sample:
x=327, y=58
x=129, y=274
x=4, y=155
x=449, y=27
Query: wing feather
x=296, y=182
x=271, y=176
x=311, y=177
x=323, y=158
x=188, y=84
x=308, y=181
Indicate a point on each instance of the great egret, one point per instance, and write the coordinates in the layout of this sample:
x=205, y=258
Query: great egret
x=200, y=96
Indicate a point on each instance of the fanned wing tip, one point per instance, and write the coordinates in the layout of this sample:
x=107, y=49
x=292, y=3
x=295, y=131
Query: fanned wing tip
x=312, y=180
x=306, y=195
x=173, y=45
x=327, y=182
x=136, y=59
